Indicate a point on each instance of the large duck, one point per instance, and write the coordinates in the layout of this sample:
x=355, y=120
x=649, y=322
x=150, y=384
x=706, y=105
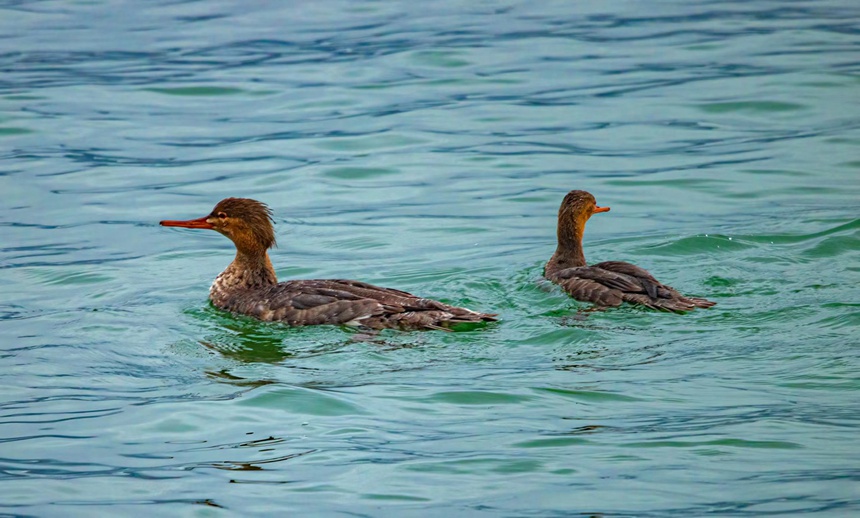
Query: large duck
x=608, y=283
x=249, y=286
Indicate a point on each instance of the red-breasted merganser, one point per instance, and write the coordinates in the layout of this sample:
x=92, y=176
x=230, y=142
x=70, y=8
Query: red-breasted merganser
x=249, y=285
x=609, y=283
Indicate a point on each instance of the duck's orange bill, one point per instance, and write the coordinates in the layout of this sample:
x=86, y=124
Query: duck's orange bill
x=191, y=223
x=601, y=209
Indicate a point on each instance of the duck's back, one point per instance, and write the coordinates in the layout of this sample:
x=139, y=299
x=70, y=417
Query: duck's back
x=612, y=282
x=345, y=302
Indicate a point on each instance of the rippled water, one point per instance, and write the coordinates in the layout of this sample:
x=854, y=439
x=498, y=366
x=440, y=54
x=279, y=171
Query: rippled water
x=427, y=147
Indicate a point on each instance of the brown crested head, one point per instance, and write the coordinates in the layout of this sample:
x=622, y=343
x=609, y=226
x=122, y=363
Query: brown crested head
x=248, y=223
x=573, y=213
x=579, y=205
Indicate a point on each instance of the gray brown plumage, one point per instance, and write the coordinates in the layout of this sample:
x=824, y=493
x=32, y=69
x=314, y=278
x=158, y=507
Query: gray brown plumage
x=249, y=286
x=609, y=283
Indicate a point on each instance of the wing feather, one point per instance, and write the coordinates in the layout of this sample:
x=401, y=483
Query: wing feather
x=339, y=302
x=611, y=282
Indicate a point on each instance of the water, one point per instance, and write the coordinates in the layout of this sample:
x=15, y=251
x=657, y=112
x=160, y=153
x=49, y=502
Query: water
x=427, y=148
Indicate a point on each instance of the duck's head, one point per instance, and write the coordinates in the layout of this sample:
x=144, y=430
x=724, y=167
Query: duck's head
x=248, y=223
x=579, y=206
x=575, y=210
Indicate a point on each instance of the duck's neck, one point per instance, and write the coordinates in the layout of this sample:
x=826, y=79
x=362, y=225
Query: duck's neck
x=250, y=270
x=569, y=253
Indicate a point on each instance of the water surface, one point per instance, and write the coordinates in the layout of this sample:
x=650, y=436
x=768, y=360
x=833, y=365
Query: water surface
x=427, y=148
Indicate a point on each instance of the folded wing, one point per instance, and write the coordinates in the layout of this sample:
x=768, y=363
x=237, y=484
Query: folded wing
x=612, y=282
x=346, y=302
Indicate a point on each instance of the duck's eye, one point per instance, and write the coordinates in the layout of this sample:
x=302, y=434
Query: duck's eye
x=222, y=215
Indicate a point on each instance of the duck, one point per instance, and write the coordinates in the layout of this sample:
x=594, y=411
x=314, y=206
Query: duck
x=249, y=286
x=610, y=283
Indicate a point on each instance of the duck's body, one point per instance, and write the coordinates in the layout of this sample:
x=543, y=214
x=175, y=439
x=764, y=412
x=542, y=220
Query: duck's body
x=339, y=302
x=608, y=283
x=250, y=287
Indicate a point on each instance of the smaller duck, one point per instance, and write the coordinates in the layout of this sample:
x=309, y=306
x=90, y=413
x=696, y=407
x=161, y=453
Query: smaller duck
x=249, y=286
x=608, y=283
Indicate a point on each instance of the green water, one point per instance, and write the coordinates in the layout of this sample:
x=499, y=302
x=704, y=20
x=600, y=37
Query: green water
x=428, y=149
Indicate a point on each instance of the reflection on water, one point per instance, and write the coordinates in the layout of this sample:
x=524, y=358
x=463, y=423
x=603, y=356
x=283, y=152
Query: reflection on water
x=427, y=150
x=247, y=340
x=243, y=339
